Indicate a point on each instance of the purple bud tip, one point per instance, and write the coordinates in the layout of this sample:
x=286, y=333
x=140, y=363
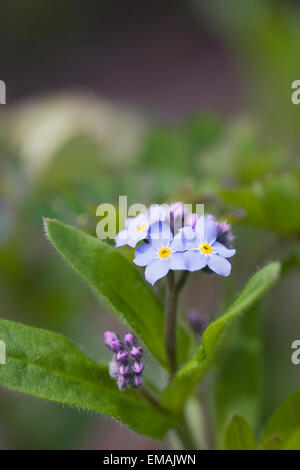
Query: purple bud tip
x=178, y=209
x=137, y=380
x=197, y=321
x=136, y=352
x=113, y=370
x=129, y=339
x=116, y=346
x=122, y=356
x=192, y=220
x=110, y=336
x=137, y=367
x=224, y=234
x=124, y=369
x=123, y=381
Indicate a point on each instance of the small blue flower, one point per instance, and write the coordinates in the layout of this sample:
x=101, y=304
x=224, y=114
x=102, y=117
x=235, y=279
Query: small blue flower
x=204, y=250
x=162, y=253
x=136, y=228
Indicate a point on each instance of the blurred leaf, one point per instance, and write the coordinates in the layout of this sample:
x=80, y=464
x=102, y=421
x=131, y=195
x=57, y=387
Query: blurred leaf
x=293, y=442
x=292, y=259
x=164, y=162
x=118, y=283
x=192, y=372
x=285, y=422
x=272, y=204
x=23, y=417
x=272, y=443
x=264, y=37
x=238, y=380
x=47, y=365
x=203, y=132
x=168, y=161
x=238, y=158
x=239, y=435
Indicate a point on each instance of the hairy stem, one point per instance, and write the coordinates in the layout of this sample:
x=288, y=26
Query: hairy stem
x=151, y=399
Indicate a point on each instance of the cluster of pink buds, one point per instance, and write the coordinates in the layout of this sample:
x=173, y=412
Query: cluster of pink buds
x=126, y=367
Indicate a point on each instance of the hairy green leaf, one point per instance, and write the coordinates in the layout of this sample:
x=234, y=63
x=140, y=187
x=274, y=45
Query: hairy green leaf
x=48, y=365
x=191, y=373
x=239, y=435
x=119, y=285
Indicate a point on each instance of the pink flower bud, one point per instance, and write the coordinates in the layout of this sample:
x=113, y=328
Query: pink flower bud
x=122, y=356
x=110, y=336
x=124, y=369
x=123, y=382
x=129, y=339
x=136, y=352
x=137, y=367
x=192, y=220
x=137, y=380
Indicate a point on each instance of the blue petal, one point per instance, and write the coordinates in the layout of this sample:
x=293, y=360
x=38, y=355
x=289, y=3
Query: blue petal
x=195, y=260
x=219, y=265
x=177, y=261
x=160, y=234
x=185, y=239
x=178, y=244
x=144, y=254
x=133, y=226
x=206, y=230
x=222, y=250
x=132, y=242
x=121, y=238
x=156, y=270
x=156, y=213
x=188, y=234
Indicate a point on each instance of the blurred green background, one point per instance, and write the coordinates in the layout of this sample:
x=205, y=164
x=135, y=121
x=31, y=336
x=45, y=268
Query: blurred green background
x=160, y=101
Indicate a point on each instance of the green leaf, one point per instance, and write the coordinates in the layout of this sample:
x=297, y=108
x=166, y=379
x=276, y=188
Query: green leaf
x=238, y=380
x=293, y=442
x=47, y=365
x=119, y=285
x=272, y=204
x=192, y=372
x=272, y=443
x=285, y=422
x=292, y=259
x=239, y=435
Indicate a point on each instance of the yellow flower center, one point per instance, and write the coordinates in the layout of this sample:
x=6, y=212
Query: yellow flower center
x=205, y=248
x=164, y=252
x=141, y=227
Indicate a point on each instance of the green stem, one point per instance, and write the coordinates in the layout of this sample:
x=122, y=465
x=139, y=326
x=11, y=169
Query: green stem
x=207, y=425
x=173, y=291
x=151, y=399
x=186, y=437
x=171, y=310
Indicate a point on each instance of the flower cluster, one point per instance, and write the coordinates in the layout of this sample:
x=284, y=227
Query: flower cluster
x=126, y=366
x=176, y=240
